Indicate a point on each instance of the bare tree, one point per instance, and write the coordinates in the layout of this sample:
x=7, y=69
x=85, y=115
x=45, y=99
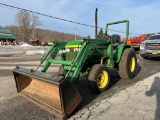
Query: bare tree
x=26, y=23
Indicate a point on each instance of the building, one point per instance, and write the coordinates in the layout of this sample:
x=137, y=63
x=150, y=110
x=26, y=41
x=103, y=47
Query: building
x=6, y=37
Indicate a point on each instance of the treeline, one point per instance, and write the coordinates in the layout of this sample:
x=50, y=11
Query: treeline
x=43, y=35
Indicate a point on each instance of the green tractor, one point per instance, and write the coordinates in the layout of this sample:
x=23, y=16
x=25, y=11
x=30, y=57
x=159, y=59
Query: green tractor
x=91, y=58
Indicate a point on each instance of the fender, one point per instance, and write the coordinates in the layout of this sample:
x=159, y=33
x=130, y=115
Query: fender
x=119, y=52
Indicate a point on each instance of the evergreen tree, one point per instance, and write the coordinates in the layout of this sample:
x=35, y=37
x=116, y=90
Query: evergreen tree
x=101, y=34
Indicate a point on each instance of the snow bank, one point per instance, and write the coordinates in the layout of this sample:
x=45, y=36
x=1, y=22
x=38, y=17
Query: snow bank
x=35, y=52
x=25, y=44
x=26, y=49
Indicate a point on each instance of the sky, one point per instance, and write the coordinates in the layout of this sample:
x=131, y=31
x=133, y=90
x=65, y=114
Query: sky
x=143, y=15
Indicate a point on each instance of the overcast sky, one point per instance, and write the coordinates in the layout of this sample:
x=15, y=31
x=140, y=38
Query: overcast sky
x=143, y=14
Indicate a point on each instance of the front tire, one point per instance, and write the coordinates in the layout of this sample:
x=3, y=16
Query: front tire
x=128, y=64
x=98, y=78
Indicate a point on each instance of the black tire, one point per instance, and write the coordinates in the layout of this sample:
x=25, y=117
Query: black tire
x=61, y=71
x=128, y=64
x=100, y=72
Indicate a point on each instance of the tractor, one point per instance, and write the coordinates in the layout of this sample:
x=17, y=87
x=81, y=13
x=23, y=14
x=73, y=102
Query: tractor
x=91, y=58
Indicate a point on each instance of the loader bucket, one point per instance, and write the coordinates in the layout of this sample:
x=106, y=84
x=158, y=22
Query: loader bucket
x=56, y=95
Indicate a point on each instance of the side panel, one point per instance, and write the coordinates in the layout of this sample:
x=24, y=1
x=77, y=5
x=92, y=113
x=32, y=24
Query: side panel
x=109, y=52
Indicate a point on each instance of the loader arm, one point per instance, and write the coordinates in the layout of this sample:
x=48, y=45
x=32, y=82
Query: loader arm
x=51, y=54
x=75, y=66
x=89, y=47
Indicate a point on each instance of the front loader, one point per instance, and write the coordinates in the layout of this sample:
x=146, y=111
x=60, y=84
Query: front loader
x=88, y=57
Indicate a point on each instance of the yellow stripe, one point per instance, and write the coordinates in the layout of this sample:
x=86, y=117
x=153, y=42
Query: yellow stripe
x=73, y=46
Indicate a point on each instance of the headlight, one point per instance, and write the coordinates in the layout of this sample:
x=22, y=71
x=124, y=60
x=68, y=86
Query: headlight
x=142, y=45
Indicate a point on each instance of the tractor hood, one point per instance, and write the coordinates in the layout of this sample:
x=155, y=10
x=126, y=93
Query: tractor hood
x=74, y=44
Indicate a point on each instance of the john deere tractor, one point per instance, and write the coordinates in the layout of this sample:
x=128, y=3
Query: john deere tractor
x=91, y=58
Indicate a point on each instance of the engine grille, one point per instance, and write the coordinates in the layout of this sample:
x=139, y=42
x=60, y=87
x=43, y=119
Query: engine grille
x=152, y=46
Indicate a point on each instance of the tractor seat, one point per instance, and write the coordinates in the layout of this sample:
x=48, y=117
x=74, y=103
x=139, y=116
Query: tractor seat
x=116, y=40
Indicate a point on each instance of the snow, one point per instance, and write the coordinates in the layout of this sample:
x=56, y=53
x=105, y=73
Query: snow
x=35, y=52
x=25, y=48
x=25, y=44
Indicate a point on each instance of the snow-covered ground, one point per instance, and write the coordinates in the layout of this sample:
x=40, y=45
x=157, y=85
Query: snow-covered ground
x=26, y=49
x=26, y=44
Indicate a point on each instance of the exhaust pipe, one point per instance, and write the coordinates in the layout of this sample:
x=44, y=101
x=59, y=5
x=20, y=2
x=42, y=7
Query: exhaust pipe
x=96, y=22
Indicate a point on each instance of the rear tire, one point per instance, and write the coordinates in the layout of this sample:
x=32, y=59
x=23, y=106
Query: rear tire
x=98, y=78
x=128, y=64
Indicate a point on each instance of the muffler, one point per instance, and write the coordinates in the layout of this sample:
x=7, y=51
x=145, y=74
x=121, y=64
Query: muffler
x=56, y=95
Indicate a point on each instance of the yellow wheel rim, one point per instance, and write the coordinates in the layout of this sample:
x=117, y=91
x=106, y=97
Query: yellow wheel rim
x=102, y=79
x=132, y=64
